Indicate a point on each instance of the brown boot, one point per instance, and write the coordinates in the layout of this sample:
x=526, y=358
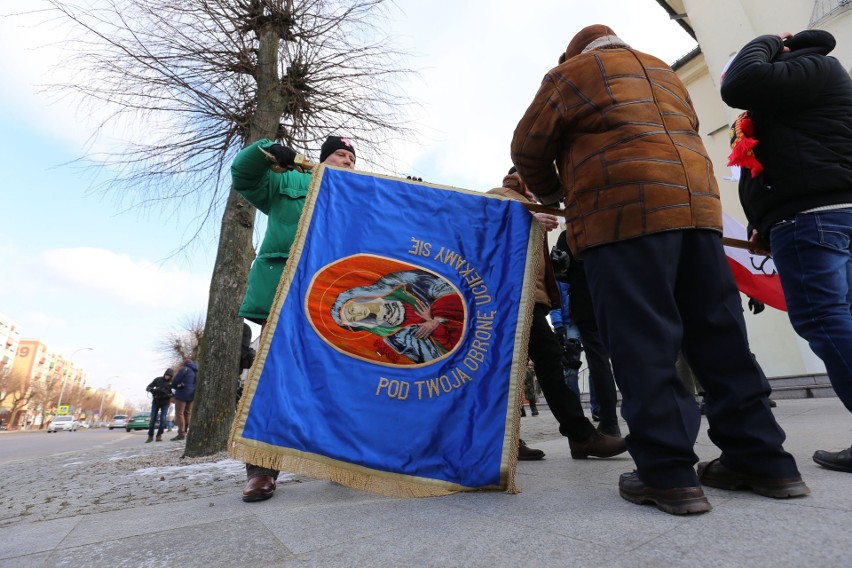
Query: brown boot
x=526, y=453
x=160, y=438
x=598, y=445
x=259, y=488
x=150, y=439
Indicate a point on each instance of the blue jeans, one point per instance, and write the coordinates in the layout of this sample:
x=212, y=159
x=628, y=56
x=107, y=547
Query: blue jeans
x=163, y=409
x=812, y=255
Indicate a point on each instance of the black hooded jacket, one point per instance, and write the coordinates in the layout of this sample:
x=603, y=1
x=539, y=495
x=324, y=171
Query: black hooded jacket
x=161, y=387
x=801, y=105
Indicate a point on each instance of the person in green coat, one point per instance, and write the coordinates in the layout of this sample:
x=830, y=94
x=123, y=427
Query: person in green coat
x=281, y=196
x=263, y=174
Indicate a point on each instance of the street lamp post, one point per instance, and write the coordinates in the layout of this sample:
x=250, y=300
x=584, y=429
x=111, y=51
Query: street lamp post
x=101, y=409
x=103, y=396
x=65, y=377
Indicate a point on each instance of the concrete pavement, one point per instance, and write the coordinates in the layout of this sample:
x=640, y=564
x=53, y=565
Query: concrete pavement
x=147, y=507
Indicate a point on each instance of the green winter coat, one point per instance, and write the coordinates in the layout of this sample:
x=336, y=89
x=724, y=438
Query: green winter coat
x=281, y=197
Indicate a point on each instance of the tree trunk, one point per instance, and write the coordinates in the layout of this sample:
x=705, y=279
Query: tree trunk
x=218, y=367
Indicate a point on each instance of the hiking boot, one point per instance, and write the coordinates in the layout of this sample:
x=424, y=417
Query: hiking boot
x=150, y=439
x=178, y=438
x=598, y=445
x=838, y=461
x=526, y=453
x=160, y=438
x=715, y=474
x=675, y=501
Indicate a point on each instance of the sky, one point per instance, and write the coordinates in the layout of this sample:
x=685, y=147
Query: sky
x=81, y=269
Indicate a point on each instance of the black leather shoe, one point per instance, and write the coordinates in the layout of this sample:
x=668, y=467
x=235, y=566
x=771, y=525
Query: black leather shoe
x=259, y=488
x=715, y=474
x=675, y=501
x=598, y=445
x=838, y=461
x=526, y=453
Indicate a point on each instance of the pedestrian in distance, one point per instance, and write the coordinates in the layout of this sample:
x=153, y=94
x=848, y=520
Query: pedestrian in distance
x=643, y=212
x=161, y=396
x=184, y=387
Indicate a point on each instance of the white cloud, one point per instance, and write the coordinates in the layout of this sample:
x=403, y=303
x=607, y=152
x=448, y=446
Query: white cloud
x=482, y=66
x=70, y=298
x=100, y=271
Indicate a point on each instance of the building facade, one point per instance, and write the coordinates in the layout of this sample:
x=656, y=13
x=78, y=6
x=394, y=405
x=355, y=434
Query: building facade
x=39, y=382
x=721, y=28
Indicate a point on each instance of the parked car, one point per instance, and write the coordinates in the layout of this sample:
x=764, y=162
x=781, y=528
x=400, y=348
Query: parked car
x=140, y=422
x=63, y=423
x=118, y=421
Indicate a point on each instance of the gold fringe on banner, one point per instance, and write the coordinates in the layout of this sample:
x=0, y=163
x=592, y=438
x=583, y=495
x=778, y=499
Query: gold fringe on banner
x=350, y=475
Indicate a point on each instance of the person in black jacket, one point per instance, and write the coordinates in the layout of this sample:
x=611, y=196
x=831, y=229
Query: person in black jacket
x=161, y=394
x=794, y=145
x=601, y=380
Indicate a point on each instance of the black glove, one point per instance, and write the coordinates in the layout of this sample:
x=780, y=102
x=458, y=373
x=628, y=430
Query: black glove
x=571, y=353
x=561, y=261
x=284, y=156
x=756, y=306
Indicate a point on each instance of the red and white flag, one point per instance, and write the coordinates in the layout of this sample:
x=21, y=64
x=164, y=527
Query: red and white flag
x=755, y=274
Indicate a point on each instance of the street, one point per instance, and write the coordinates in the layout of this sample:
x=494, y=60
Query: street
x=19, y=446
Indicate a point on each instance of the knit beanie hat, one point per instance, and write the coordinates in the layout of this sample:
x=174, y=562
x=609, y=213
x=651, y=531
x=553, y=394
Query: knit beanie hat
x=583, y=38
x=333, y=143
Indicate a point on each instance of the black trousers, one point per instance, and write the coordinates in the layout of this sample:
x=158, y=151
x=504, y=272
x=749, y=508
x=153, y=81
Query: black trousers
x=652, y=295
x=600, y=374
x=546, y=355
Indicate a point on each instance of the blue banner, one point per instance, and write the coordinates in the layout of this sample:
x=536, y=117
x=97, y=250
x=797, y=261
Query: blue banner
x=397, y=342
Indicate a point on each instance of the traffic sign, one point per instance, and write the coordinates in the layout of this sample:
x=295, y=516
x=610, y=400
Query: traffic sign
x=63, y=409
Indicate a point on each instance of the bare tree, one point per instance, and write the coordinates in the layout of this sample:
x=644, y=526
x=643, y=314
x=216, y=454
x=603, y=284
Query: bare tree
x=184, y=343
x=197, y=81
x=17, y=392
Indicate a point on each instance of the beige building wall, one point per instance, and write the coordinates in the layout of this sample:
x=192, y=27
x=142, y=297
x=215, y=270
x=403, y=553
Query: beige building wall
x=722, y=27
x=10, y=337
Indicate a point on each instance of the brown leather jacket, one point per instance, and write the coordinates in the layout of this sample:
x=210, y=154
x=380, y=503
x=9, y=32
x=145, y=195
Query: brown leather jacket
x=621, y=128
x=546, y=291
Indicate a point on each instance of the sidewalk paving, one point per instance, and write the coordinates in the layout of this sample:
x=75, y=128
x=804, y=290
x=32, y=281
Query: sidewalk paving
x=109, y=508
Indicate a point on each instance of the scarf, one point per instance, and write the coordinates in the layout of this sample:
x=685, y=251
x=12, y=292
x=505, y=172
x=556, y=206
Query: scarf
x=742, y=145
x=606, y=42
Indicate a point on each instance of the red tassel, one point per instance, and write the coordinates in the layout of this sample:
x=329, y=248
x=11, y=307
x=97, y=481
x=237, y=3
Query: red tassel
x=742, y=146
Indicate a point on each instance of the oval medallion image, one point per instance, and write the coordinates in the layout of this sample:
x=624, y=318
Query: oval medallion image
x=385, y=311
